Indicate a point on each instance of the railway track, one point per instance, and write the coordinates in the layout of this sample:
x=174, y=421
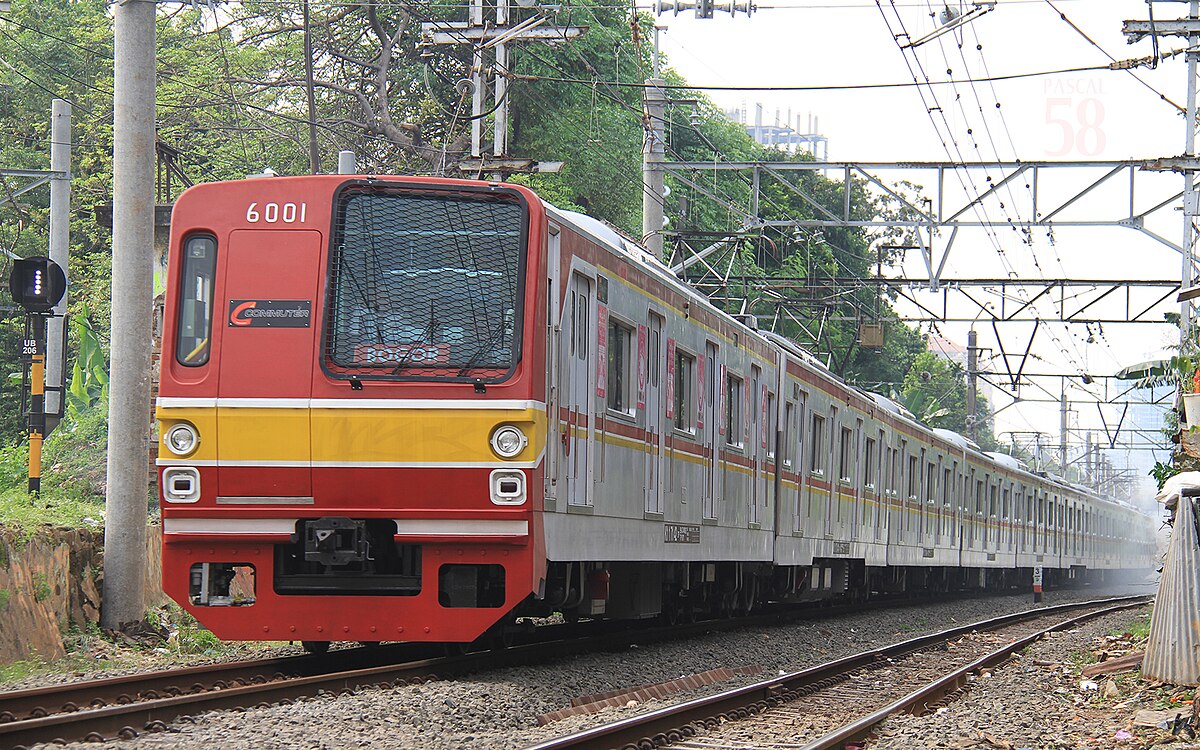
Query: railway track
x=129, y=705
x=831, y=704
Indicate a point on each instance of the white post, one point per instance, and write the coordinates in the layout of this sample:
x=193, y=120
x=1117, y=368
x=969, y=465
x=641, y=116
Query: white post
x=132, y=300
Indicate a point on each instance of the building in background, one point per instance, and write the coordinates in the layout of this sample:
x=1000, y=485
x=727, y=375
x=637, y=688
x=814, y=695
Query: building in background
x=787, y=134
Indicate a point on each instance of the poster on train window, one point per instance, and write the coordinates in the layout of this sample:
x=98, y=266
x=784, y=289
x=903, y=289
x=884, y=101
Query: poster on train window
x=700, y=394
x=670, y=378
x=643, y=338
x=601, y=351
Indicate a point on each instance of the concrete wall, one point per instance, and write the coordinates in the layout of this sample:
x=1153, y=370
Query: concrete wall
x=50, y=584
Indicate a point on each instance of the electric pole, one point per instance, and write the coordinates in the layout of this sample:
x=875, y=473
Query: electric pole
x=1188, y=28
x=132, y=301
x=314, y=153
x=484, y=36
x=972, y=375
x=653, y=152
x=1062, y=427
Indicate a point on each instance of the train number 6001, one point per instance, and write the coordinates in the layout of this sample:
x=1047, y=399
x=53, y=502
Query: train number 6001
x=274, y=213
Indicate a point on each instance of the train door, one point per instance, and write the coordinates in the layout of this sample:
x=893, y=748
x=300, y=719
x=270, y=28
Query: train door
x=268, y=351
x=654, y=415
x=753, y=449
x=578, y=370
x=554, y=363
x=710, y=414
x=770, y=463
x=787, y=463
x=801, y=511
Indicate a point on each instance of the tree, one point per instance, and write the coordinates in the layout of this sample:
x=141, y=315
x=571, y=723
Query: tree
x=935, y=391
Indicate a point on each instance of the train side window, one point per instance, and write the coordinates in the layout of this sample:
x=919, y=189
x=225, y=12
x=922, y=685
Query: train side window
x=930, y=482
x=620, y=367
x=785, y=440
x=733, y=412
x=869, y=463
x=655, y=347
x=771, y=426
x=194, y=327
x=914, y=476
x=817, y=435
x=685, y=373
x=846, y=455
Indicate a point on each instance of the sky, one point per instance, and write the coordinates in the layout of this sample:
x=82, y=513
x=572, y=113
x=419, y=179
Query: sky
x=1091, y=115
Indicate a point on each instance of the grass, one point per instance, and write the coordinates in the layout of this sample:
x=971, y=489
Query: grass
x=74, y=467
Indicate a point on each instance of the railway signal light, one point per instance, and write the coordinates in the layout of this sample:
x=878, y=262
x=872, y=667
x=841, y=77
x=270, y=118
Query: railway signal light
x=37, y=284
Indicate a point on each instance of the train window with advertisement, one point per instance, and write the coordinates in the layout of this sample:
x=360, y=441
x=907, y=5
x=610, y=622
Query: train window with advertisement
x=685, y=388
x=426, y=283
x=817, y=435
x=193, y=329
x=733, y=410
x=621, y=361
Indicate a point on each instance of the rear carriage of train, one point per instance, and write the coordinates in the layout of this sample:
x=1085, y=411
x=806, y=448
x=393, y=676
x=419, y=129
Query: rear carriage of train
x=352, y=407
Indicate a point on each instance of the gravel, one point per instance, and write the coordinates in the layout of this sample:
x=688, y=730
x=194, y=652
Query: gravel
x=498, y=709
x=1035, y=701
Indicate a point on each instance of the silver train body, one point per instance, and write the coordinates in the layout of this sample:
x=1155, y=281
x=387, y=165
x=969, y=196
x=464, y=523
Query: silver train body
x=694, y=463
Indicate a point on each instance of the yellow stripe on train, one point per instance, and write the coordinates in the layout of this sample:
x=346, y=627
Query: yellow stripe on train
x=331, y=436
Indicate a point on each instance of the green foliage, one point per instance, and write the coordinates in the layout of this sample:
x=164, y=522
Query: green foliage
x=935, y=391
x=41, y=588
x=4, y=597
x=1162, y=472
x=89, y=375
x=74, y=464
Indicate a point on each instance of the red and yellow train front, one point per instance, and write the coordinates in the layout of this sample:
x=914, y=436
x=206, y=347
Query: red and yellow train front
x=352, y=410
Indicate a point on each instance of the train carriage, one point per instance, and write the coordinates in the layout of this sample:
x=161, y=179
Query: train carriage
x=415, y=408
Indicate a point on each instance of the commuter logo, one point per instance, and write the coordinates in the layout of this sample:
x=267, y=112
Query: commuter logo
x=270, y=313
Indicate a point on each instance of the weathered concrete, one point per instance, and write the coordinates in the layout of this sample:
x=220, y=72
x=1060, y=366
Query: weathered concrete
x=50, y=584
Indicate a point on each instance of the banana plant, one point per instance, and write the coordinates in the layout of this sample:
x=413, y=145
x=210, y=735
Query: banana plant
x=89, y=376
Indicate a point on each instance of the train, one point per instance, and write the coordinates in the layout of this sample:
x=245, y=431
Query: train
x=417, y=409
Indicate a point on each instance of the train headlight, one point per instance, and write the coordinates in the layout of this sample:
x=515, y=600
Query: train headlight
x=181, y=439
x=508, y=441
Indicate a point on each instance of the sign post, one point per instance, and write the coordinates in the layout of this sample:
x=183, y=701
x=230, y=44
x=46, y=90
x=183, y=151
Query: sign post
x=1037, y=584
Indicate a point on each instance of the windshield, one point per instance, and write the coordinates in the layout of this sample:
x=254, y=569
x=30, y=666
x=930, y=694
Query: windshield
x=425, y=285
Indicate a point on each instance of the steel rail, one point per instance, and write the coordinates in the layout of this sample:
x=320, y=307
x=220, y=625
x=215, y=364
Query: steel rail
x=128, y=705
x=676, y=723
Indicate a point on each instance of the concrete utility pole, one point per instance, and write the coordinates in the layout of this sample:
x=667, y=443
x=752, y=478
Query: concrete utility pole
x=132, y=299
x=653, y=153
x=484, y=36
x=1062, y=427
x=972, y=377
x=60, y=247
